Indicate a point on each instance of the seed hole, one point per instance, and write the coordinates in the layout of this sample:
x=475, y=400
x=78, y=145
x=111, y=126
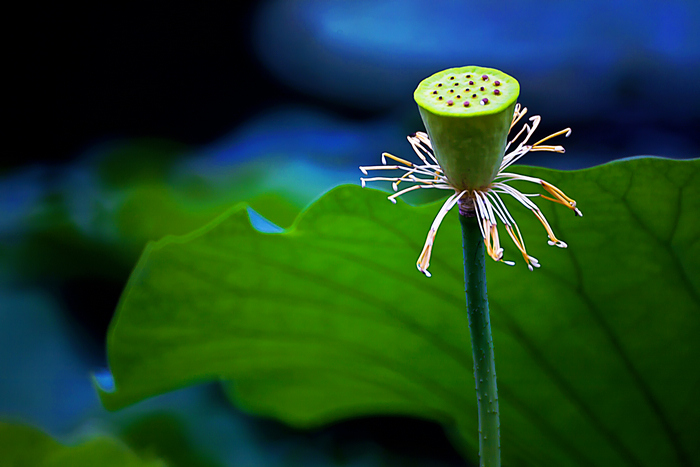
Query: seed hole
x=439, y=85
x=473, y=95
x=481, y=88
x=471, y=83
x=439, y=98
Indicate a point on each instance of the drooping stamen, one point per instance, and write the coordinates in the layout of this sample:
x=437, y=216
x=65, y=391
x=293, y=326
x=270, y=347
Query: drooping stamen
x=493, y=247
x=520, y=243
x=512, y=229
x=488, y=226
x=500, y=209
x=553, y=240
x=424, y=258
x=561, y=198
x=525, y=201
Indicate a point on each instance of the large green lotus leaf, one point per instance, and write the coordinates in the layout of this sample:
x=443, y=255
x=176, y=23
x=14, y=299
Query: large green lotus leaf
x=597, y=351
x=23, y=446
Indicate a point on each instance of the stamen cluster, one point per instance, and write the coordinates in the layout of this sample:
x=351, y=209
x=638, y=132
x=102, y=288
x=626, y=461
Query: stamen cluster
x=485, y=203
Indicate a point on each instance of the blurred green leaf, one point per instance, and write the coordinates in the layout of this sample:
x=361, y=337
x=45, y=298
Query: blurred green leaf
x=22, y=446
x=597, y=351
x=103, y=236
x=153, y=211
x=165, y=436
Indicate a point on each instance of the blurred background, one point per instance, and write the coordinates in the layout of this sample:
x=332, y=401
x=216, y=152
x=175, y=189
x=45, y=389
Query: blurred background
x=128, y=123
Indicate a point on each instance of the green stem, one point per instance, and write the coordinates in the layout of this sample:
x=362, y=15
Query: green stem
x=482, y=343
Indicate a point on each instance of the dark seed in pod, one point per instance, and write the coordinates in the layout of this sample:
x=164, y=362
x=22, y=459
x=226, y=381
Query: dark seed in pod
x=485, y=77
x=484, y=101
x=471, y=83
x=481, y=88
x=450, y=102
x=496, y=91
x=466, y=103
x=497, y=83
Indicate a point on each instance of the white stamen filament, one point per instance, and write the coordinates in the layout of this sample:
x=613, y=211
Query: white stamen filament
x=393, y=197
x=424, y=258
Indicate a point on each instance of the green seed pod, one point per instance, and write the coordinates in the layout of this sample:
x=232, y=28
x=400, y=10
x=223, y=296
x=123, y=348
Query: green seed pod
x=467, y=113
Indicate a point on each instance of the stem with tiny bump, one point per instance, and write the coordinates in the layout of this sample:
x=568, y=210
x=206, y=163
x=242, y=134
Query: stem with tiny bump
x=482, y=342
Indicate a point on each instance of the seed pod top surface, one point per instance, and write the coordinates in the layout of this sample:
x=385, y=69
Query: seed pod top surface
x=460, y=92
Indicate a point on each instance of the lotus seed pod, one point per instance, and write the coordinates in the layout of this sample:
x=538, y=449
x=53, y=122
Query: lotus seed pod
x=467, y=113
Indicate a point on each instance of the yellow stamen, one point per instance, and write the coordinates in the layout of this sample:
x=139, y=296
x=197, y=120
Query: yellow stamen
x=493, y=246
x=520, y=246
x=517, y=115
x=487, y=240
x=550, y=233
x=524, y=128
x=424, y=259
x=393, y=197
x=520, y=243
x=415, y=142
x=397, y=159
x=561, y=198
x=401, y=179
x=423, y=137
x=559, y=149
x=565, y=130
